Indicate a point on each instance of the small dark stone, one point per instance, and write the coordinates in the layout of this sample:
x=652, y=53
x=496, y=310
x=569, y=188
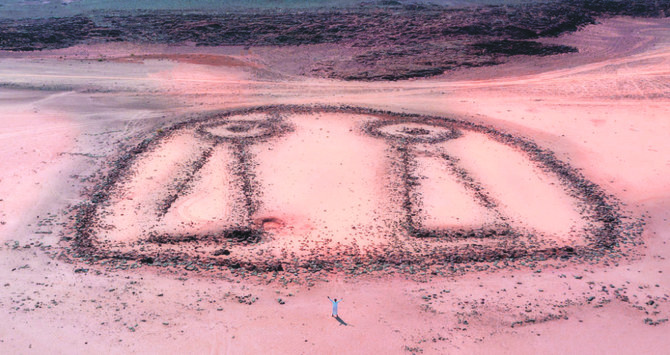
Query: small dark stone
x=221, y=252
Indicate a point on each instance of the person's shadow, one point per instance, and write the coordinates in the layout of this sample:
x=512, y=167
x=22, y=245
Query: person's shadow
x=342, y=322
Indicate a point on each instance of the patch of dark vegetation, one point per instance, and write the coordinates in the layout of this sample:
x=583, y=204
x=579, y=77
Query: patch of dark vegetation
x=393, y=41
x=609, y=236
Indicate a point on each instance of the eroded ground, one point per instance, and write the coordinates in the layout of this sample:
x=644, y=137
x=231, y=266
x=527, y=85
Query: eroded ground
x=156, y=146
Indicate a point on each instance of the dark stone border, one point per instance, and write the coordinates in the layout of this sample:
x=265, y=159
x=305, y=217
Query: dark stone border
x=373, y=129
x=269, y=127
x=601, y=241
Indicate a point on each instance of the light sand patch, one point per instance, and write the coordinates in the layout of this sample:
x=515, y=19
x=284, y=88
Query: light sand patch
x=207, y=207
x=529, y=196
x=446, y=203
x=327, y=176
x=134, y=207
x=31, y=145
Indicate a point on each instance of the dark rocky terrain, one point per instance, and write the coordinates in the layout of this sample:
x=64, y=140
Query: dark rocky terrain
x=389, y=41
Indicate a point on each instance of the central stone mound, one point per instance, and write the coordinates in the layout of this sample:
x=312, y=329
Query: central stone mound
x=328, y=187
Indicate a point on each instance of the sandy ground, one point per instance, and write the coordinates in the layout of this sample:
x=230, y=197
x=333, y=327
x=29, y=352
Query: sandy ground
x=603, y=110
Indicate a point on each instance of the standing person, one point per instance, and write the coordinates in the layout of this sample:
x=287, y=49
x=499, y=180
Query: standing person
x=335, y=302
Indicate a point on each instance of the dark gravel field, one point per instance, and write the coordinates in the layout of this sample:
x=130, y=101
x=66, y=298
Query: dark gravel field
x=389, y=40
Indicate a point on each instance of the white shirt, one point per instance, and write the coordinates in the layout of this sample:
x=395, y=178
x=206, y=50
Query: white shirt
x=335, y=306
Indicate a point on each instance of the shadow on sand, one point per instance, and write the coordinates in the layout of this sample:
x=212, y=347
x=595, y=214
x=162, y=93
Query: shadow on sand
x=342, y=322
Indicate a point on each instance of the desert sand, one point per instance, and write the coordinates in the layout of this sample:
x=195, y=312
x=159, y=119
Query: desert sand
x=327, y=189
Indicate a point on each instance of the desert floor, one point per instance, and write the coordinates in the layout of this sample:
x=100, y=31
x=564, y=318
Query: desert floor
x=65, y=112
